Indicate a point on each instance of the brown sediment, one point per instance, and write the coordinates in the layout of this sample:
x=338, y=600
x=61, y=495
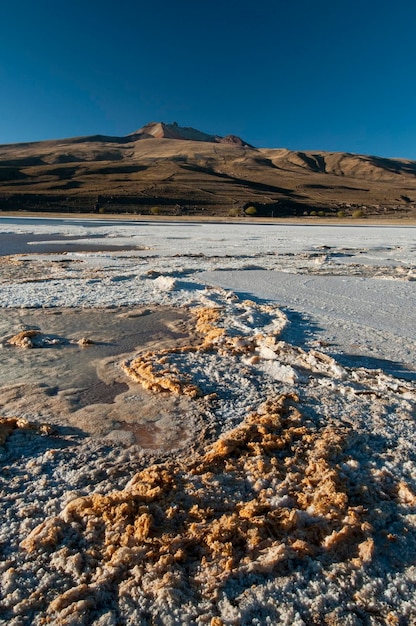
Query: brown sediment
x=9, y=424
x=84, y=341
x=24, y=339
x=405, y=494
x=100, y=393
x=151, y=372
x=207, y=324
x=144, y=434
x=265, y=493
x=153, y=436
x=33, y=338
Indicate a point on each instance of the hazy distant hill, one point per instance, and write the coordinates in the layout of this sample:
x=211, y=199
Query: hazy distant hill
x=185, y=171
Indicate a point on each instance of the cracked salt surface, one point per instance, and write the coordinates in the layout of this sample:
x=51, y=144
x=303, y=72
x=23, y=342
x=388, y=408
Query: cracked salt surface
x=326, y=313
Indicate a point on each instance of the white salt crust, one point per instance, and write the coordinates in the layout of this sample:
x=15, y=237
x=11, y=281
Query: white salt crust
x=340, y=333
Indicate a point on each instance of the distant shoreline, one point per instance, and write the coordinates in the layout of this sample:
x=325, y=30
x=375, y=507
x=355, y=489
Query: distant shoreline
x=312, y=221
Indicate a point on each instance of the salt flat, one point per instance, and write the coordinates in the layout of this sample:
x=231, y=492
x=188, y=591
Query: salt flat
x=300, y=338
x=355, y=315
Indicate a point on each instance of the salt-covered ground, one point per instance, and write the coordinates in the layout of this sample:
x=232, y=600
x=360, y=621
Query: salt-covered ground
x=300, y=338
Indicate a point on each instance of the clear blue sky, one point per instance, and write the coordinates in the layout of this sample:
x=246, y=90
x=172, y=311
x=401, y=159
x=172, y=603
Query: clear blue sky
x=324, y=75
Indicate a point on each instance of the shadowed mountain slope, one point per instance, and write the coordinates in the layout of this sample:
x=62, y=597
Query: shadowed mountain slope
x=170, y=169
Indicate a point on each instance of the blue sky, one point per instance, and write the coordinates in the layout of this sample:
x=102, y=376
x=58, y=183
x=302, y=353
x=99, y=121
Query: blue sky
x=322, y=75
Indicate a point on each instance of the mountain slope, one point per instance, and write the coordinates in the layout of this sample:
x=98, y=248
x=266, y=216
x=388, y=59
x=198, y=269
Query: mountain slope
x=185, y=171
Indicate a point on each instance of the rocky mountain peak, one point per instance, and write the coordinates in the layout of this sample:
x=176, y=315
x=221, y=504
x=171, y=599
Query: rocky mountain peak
x=161, y=130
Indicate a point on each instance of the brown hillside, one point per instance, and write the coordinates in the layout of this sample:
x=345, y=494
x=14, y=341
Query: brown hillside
x=163, y=168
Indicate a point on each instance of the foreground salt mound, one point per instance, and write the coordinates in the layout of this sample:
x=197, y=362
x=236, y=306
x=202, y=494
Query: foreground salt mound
x=269, y=492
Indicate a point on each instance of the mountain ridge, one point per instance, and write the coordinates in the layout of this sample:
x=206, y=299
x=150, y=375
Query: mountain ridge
x=156, y=130
x=183, y=170
x=161, y=130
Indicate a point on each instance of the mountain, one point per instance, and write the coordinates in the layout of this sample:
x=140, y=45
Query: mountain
x=168, y=169
x=160, y=130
